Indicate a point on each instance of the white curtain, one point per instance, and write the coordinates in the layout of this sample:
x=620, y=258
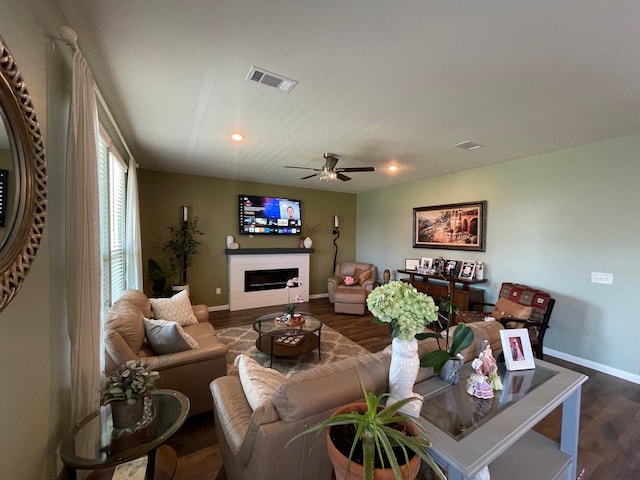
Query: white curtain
x=133, y=249
x=83, y=241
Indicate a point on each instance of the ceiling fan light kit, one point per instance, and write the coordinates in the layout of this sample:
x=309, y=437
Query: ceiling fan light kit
x=329, y=172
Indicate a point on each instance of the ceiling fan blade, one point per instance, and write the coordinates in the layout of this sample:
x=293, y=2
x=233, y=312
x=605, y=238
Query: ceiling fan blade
x=356, y=169
x=303, y=168
x=309, y=176
x=342, y=177
x=331, y=160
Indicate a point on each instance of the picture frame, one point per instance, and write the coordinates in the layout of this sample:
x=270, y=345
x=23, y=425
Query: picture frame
x=426, y=263
x=450, y=268
x=516, y=347
x=411, y=263
x=467, y=269
x=455, y=226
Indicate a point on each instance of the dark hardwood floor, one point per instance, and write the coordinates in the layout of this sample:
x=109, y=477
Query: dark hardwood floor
x=609, y=423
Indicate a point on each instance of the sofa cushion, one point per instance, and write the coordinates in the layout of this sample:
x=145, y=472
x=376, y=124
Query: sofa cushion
x=177, y=308
x=165, y=337
x=505, y=308
x=259, y=384
x=125, y=318
x=314, y=390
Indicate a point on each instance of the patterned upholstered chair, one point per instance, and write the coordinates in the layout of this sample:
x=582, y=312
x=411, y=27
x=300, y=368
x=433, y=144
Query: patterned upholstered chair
x=518, y=306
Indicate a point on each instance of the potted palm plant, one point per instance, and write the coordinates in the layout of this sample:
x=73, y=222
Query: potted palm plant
x=124, y=389
x=182, y=246
x=368, y=440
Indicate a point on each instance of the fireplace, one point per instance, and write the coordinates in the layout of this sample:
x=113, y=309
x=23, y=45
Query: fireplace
x=245, y=263
x=256, y=280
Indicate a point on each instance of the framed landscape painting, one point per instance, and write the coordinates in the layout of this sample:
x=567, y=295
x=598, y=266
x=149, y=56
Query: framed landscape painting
x=457, y=226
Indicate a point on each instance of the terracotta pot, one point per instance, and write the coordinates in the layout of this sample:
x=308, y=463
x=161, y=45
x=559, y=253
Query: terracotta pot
x=356, y=471
x=124, y=414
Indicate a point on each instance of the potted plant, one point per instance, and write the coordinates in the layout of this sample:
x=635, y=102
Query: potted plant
x=450, y=355
x=368, y=440
x=124, y=389
x=182, y=246
x=290, y=308
x=407, y=312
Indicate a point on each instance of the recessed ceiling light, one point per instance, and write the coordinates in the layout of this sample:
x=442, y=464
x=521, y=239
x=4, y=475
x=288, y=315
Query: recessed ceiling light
x=393, y=168
x=237, y=137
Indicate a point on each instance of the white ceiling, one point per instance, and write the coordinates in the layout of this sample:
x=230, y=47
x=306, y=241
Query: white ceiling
x=381, y=82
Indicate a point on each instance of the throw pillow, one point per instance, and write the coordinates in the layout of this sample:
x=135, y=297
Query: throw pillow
x=259, y=383
x=177, y=309
x=166, y=337
x=361, y=275
x=505, y=308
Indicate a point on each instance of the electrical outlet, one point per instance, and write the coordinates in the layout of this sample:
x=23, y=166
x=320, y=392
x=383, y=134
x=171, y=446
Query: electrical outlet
x=218, y=291
x=603, y=278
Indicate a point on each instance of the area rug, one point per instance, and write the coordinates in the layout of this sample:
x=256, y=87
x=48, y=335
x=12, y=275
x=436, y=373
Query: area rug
x=333, y=345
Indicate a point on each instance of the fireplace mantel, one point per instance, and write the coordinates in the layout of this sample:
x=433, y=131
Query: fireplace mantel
x=266, y=251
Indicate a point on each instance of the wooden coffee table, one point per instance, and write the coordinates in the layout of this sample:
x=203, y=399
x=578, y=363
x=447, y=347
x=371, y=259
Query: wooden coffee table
x=273, y=338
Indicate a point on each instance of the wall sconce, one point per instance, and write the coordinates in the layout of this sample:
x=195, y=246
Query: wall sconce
x=185, y=213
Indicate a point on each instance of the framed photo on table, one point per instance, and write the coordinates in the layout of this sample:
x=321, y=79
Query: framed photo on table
x=411, y=263
x=467, y=269
x=426, y=263
x=516, y=347
x=456, y=226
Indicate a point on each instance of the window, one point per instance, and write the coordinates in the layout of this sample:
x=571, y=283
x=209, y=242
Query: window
x=112, y=178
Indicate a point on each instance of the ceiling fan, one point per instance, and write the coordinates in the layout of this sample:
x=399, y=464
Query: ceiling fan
x=329, y=172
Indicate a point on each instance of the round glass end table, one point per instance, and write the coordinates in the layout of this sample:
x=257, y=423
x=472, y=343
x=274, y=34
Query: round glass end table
x=279, y=340
x=93, y=443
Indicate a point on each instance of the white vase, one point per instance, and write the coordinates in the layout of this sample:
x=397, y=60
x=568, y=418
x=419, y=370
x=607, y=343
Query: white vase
x=308, y=242
x=403, y=372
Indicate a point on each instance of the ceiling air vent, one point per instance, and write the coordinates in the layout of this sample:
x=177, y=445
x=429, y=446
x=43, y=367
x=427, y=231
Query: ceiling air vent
x=468, y=145
x=274, y=80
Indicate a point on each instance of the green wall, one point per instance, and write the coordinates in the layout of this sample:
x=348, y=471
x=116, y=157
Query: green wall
x=552, y=220
x=34, y=346
x=214, y=201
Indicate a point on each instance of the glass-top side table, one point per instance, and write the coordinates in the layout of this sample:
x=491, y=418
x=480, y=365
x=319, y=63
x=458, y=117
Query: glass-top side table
x=93, y=443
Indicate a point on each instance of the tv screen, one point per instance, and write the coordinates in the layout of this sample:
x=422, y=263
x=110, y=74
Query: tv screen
x=269, y=216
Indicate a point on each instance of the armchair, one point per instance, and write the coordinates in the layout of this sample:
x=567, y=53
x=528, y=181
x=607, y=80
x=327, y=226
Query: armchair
x=518, y=306
x=351, y=298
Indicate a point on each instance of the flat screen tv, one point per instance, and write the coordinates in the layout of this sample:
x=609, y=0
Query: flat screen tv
x=269, y=216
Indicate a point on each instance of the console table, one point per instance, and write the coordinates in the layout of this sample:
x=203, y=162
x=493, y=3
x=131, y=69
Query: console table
x=468, y=434
x=439, y=285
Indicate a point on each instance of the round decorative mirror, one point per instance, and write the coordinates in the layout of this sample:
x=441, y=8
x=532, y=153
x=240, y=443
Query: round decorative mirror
x=23, y=179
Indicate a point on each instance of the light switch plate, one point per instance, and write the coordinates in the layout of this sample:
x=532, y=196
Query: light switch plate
x=603, y=278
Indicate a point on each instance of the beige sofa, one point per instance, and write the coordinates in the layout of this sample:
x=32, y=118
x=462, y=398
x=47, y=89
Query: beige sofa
x=189, y=371
x=252, y=443
x=351, y=298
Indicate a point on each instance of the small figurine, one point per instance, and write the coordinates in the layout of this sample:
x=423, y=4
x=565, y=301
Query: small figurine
x=490, y=367
x=477, y=384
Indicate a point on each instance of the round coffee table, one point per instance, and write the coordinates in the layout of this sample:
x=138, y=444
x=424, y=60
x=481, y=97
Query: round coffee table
x=287, y=341
x=93, y=443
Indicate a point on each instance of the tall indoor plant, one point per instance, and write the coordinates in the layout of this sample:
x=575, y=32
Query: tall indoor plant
x=371, y=432
x=407, y=312
x=182, y=246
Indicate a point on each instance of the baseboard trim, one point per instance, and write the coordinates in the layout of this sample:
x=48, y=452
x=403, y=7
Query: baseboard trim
x=593, y=365
x=226, y=307
x=216, y=308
